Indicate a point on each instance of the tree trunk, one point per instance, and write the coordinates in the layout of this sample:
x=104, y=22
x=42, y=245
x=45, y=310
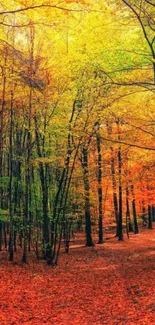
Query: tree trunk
x=136, y=229
x=149, y=217
x=27, y=160
x=120, y=216
x=1, y=139
x=153, y=213
x=129, y=222
x=11, y=249
x=100, y=195
x=89, y=241
x=115, y=200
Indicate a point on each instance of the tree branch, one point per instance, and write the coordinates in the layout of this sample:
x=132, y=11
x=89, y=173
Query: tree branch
x=127, y=144
x=142, y=26
x=40, y=7
x=150, y=3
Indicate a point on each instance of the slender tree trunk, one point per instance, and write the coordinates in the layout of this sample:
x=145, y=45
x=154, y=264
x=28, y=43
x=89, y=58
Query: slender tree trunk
x=26, y=211
x=120, y=219
x=27, y=167
x=120, y=214
x=1, y=140
x=89, y=241
x=153, y=213
x=15, y=242
x=30, y=220
x=11, y=183
x=27, y=184
x=129, y=222
x=5, y=236
x=115, y=200
x=136, y=229
x=149, y=217
x=100, y=195
x=1, y=237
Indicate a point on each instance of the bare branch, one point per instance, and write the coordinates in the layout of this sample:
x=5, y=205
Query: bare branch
x=150, y=3
x=42, y=6
x=141, y=129
x=127, y=144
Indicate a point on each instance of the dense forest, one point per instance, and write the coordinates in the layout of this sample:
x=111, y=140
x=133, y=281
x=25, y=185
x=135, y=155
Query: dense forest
x=77, y=120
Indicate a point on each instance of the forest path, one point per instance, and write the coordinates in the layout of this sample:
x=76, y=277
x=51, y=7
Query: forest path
x=112, y=284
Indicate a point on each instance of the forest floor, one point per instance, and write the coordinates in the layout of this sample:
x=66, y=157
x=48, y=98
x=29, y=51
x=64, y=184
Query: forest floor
x=112, y=284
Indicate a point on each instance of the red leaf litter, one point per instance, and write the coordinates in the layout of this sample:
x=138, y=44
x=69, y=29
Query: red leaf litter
x=112, y=284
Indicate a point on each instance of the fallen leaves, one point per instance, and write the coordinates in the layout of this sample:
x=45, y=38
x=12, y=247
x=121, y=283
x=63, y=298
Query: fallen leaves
x=111, y=284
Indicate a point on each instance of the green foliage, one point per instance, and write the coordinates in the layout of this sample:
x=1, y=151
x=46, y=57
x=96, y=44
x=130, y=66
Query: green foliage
x=4, y=215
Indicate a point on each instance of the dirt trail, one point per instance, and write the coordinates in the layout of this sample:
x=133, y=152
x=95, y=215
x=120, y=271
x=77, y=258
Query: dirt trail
x=110, y=284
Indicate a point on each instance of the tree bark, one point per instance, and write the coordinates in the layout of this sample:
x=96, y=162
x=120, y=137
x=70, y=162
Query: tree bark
x=100, y=194
x=115, y=200
x=129, y=222
x=136, y=229
x=11, y=183
x=149, y=217
x=120, y=216
x=89, y=241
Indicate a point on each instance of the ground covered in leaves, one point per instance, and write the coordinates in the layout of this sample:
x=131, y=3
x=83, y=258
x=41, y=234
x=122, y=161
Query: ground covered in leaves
x=110, y=284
